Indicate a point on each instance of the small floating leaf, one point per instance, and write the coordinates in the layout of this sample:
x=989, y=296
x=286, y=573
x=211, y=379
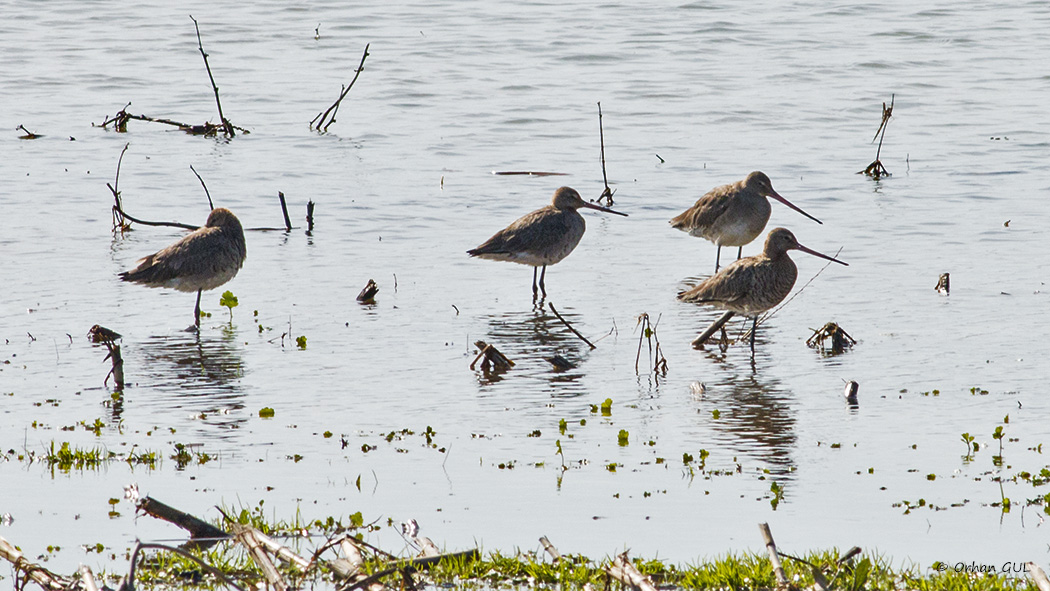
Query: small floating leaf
x=266, y=412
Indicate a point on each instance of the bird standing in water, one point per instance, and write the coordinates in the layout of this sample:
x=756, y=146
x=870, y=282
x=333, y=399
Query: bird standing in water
x=543, y=237
x=751, y=285
x=734, y=214
x=205, y=259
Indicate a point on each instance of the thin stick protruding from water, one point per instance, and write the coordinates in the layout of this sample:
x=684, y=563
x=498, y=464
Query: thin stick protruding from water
x=319, y=122
x=607, y=193
x=226, y=125
x=206, y=191
x=574, y=331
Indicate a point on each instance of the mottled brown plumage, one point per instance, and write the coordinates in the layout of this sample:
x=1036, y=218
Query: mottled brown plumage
x=751, y=285
x=543, y=237
x=204, y=259
x=733, y=214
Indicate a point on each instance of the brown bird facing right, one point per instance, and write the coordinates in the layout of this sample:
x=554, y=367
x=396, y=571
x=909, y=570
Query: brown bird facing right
x=733, y=214
x=751, y=285
x=542, y=237
x=205, y=259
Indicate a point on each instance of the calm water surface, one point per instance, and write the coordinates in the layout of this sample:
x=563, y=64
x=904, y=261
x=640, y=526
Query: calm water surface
x=694, y=95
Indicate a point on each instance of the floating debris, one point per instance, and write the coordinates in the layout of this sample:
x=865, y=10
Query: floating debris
x=491, y=358
x=943, y=284
x=101, y=334
x=698, y=390
x=851, y=392
x=840, y=339
x=368, y=294
x=560, y=363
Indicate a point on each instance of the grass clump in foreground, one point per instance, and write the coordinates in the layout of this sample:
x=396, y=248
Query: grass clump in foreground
x=497, y=570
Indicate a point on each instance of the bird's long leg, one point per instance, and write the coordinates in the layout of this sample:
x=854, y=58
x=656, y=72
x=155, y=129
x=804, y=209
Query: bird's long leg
x=754, y=327
x=543, y=274
x=534, y=269
x=739, y=253
x=197, y=311
x=718, y=257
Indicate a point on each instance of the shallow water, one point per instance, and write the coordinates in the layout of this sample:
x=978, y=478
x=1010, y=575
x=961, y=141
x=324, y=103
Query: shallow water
x=693, y=96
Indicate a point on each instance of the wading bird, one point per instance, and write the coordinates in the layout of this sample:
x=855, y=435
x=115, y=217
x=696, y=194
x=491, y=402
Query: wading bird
x=734, y=214
x=542, y=237
x=751, y=285
x=205, y=259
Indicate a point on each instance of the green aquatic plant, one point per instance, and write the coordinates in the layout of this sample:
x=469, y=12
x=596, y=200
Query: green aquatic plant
x=998, y=435
x=622, y=438
x=300, y=341
x=970, y=445
x=230, y=301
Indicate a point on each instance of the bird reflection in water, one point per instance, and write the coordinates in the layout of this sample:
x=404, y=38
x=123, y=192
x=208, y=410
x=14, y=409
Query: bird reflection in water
x=199, y=374
x=530, y=339
x=755, y=417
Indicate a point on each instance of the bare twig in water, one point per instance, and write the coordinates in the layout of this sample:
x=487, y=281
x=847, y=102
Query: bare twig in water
x=117, y=371
x=327, y=117
x=648, y=333
x=574, y=331
x=118, y=210
x=227, y=126
x=206, y=191
x=607, y=194
x=527, y=173
x=876, y=170
x=29, y=135
x=121, y=118
x=284, y=210
x=309, y=217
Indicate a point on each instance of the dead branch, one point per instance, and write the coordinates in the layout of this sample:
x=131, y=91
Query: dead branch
x=648, y=333
x=29, y=135
x=624, y=571
x=527, y=173
x=245, y=536
x=774, y=558
x=491, y=358
x=117, y=371
x=206, y=191
x=549, y=547
x=415, y=562
x=87, y=578
x=574, y=331
x=876, y=170
x=118, y=211
x=1039, y=576
x=607, y=194
x=309, y=217
x=329, y=114
x=128, y=583
x=227, y=126
x=38, y=574
x=121, y=118
x=698, y=342
x=202, y=533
